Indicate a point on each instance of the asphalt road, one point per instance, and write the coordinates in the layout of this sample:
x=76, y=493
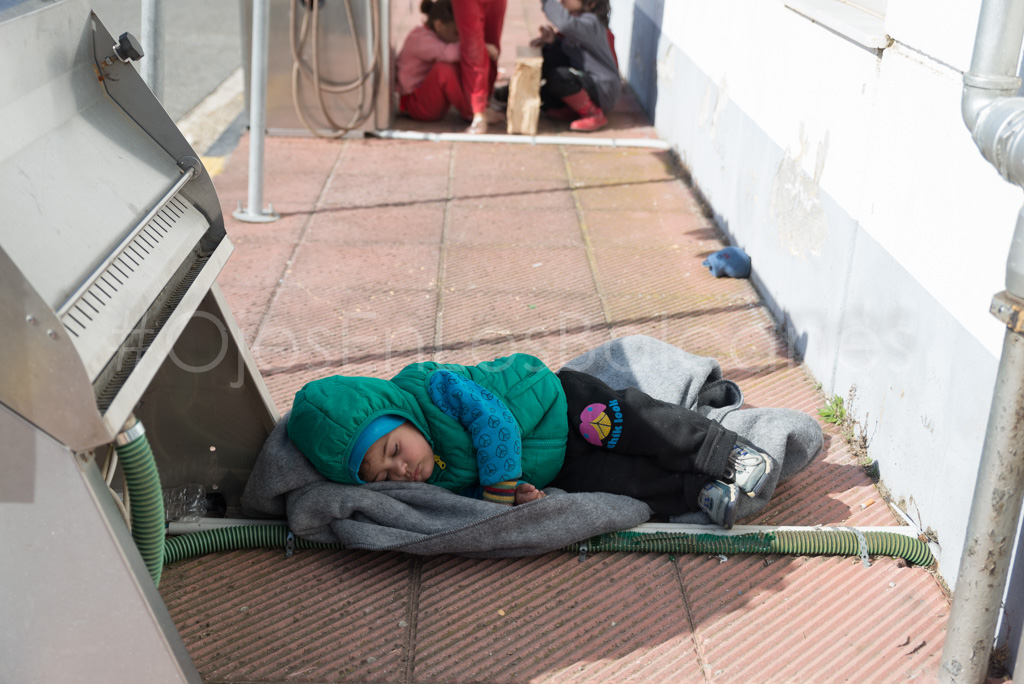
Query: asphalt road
x=202, y=44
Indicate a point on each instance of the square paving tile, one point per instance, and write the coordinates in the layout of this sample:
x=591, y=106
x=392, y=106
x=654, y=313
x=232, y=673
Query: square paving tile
x=285, y=230
x=670, y=271
x=334, y=616
x=470, y=225
x=527, y=193
x=736, y=334
x=480, y=326
x=294, y=171
x=612, y=617
x=520, y=270
x=603, y=165
x=248, y=281
x=403, y=224
x=648, y=229
x=741, y=607
x=380, y=267
x=501, y=162
x=321, y=330
x=383, y=192
x=654, y=195
x=411, y=162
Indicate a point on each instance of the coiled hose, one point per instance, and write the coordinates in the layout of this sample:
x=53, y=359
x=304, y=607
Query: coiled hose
x=148, y=529
x=143, y=481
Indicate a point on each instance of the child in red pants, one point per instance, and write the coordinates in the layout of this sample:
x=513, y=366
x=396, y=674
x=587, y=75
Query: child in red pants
x=480, y=23
x=428, y=66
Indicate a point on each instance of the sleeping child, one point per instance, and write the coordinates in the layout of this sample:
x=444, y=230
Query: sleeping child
x=504, y=429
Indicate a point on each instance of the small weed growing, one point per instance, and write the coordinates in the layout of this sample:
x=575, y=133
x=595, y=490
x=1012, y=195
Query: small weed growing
x=839, y=412
x=834, y=411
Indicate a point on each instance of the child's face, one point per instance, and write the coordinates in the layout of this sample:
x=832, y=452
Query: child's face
x=402, y=455
x=572, y=6
x=446, y=31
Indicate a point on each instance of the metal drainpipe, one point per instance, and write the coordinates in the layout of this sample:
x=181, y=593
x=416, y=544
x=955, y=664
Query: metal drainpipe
x=996, y=121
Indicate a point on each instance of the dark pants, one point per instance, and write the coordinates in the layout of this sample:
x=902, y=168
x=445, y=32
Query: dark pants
x=626, y=442
x=560, y=79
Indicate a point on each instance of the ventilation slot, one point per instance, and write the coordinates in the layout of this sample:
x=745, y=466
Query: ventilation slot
x=125, y=269
x=103, y=320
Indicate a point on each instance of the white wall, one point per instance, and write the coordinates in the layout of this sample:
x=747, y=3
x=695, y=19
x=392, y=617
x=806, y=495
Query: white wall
x=877, y=231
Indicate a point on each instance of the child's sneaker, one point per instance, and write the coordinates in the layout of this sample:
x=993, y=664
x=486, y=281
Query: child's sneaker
x=718, y=500
x=748, y=468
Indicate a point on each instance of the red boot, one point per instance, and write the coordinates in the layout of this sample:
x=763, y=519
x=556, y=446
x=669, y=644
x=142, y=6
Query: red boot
x=591, y=116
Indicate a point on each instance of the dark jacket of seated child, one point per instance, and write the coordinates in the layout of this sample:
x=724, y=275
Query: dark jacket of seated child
x=502, y=429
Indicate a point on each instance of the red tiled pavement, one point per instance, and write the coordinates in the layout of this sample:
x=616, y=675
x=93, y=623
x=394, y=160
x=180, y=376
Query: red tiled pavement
x=392, y=252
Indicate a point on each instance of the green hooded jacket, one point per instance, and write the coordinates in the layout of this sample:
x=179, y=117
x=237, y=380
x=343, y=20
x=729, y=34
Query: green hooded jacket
x=328, y=415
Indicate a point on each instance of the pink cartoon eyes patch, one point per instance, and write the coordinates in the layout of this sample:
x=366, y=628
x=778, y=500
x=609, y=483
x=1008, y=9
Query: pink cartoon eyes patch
x=595, y=424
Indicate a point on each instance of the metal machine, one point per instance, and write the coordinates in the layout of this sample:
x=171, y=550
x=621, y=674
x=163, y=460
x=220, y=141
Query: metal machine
x=111, y=239
x=328, y=66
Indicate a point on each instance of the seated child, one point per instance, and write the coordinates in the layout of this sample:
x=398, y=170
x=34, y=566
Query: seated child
x=428, y=66
x=502, y=429
x=580, y=71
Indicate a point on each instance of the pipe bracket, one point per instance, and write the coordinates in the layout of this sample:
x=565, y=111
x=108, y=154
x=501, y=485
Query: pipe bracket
x=1009, y=310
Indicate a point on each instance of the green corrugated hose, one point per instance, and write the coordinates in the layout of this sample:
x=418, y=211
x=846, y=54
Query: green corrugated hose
x=148, y=530
x=823, y=542
x=240, y=537
x=813, y=542
x=143, y=481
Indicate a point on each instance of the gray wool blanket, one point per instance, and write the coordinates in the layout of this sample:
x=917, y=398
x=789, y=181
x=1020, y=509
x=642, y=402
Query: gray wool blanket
x=422, y=519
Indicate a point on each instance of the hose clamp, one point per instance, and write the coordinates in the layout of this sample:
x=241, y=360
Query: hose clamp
x=864, y=558
x=289, y=546
x=130, y=434
x=583, y=552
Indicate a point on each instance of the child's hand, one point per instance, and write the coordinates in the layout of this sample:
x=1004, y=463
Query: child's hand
x=526, y=492
x=492, y=51
x=547, y=37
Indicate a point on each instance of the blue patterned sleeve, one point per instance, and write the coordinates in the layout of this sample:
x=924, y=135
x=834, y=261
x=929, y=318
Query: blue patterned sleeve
x=492, y=427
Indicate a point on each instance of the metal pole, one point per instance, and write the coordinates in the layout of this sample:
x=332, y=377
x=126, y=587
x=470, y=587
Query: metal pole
x=151, y=67
x=991, y=528
x=988, y=110
x=257, y=116
x=998, y=493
